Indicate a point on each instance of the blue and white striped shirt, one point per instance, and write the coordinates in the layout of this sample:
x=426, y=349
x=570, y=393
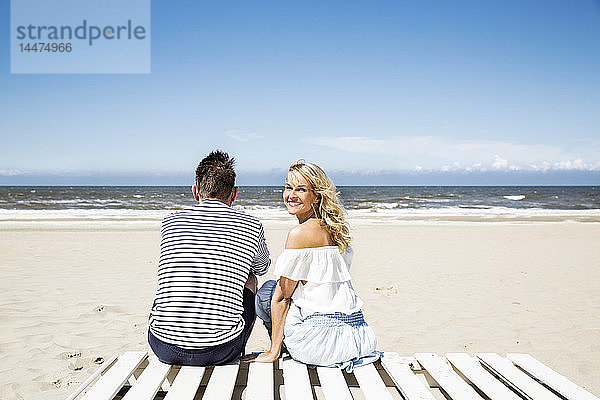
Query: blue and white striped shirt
x=206, y=254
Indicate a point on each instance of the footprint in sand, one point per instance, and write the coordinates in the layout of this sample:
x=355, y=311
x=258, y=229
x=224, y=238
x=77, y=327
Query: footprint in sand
x=69, y=354
x=79, y=364
x=387, y=290
x=108, y=309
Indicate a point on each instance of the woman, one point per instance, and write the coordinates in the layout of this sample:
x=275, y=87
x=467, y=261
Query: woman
x=313, y=303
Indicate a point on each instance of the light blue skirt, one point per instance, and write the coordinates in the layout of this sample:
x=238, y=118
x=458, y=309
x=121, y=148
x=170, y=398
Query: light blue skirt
x=332, y=340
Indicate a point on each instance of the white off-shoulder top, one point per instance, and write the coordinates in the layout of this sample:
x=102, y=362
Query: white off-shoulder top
x=327, y=274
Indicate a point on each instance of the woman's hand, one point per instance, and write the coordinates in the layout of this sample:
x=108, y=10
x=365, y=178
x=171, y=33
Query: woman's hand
x=267, y=357
x=280, y=304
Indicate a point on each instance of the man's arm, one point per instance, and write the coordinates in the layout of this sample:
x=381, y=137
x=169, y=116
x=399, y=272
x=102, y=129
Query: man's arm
x=261, y=262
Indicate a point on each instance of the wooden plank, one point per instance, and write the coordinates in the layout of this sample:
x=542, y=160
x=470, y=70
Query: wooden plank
x=333, y=384
x=296, y=381
x=89, y=380
x=221, y=383
x=149, y=382
x=553, y=379
x=260, y=382
x=480, y=377
x=109, y=385
x=370, y=383
x=186, y=383
x=514, y=377
x=445, y=376
x=404, y=378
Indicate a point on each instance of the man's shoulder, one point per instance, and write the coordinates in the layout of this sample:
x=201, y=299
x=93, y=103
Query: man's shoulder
x=225, y=212
x=183, y=212
x=244, y=217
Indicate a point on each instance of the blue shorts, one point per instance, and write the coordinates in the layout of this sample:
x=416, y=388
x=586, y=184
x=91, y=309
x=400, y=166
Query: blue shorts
x=215, y=355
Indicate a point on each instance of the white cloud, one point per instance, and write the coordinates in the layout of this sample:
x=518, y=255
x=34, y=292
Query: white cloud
x=474, y=167
x=439, y=153
x=578, y=165
x=544, y=166
x=499, y=162
x=12, y=172
x=242, y=136
x=455, y=166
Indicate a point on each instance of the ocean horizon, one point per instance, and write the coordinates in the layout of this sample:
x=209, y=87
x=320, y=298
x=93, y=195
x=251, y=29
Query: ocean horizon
x=152, y=203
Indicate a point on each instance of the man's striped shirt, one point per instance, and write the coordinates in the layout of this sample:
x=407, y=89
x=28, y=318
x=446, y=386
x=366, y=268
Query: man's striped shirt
x=206, y=254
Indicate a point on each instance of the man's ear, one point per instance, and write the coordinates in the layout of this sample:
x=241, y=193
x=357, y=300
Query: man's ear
x=234, y=193
x=195, y=192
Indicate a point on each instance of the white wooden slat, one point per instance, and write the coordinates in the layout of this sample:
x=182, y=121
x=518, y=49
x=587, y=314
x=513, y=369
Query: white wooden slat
x=109, y=385
x=89, y=380
x=333, y=384
x=186, y=383
x=516, y=378
x=550, y=377
x=165, y=385
x=296, y=381
x=221, y=383
x=488, y=384
x=445, y=376
x=405, y=379
x=370, y=383
x=149, y=382
x=260, y=382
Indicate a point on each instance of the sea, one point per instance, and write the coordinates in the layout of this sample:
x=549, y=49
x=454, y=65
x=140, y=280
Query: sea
x=24, y=203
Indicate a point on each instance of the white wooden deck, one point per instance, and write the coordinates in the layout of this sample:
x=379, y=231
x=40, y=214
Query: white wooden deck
x=424, y=376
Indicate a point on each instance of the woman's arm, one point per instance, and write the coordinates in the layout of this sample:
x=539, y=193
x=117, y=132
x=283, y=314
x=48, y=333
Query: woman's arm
x=280, y=304
x=305, y=235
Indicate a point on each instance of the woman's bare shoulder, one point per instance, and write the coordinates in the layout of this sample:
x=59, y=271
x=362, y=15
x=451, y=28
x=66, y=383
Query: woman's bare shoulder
x=308, y=234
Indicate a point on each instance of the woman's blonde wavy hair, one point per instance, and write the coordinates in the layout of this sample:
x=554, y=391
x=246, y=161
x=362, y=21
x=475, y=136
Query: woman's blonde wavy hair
x=329, y=209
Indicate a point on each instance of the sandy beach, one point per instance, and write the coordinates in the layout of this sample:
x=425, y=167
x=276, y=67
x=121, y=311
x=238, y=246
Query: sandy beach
x=75, y=294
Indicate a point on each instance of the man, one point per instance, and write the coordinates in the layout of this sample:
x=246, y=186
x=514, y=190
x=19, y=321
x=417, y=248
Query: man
x=210, y=255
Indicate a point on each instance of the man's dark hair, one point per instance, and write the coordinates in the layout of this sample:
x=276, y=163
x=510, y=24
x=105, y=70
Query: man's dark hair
x=215, y=176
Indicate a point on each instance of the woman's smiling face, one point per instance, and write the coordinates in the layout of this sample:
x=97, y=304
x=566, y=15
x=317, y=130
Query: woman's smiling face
x=299, y=197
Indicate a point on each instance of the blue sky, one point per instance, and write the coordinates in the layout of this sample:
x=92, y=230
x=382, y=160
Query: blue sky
x=392, y=92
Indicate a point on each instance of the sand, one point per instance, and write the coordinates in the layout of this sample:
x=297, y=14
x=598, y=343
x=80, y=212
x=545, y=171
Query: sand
x=71, y=295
